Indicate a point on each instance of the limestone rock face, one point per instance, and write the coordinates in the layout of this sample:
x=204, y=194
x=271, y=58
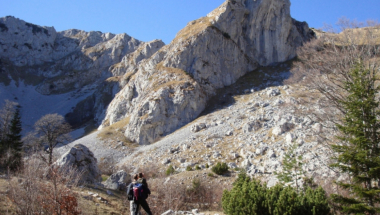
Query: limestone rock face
x=81, y=158
x=70, y=61
x=172, y=87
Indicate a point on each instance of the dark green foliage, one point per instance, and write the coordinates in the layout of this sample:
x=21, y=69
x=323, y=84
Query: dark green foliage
x=251, y=197
x=220, y=168
x=188, y=168
x=207, y=166
x=11, y=144
x=197, y=167
x=358, y=149
x=170, y=170
x=14, y=136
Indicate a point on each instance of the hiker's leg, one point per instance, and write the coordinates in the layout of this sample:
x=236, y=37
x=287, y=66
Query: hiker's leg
x=145, y=206
x=131, y=206
x=136, y=207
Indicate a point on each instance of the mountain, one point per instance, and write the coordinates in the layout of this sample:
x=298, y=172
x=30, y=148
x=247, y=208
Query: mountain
x=171, y=88
x=68, y=72
x=151, y=89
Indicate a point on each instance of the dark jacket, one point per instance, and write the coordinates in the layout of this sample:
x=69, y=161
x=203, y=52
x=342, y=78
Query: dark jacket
x=143, y=181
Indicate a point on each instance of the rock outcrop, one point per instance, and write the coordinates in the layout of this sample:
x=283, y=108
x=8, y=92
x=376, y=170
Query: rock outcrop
x=117, y=181
x=172, y=87
x=82, y=159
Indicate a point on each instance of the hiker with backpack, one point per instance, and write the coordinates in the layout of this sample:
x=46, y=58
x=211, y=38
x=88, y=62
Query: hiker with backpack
x=132, y=204
x=138, y=191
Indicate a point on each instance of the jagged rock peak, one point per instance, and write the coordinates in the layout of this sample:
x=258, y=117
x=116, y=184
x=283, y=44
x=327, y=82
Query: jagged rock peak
x=171, y=88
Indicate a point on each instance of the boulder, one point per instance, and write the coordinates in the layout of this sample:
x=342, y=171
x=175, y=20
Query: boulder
x=117, y=181
x=82, y=159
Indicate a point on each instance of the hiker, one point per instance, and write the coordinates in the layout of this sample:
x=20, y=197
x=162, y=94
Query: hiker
x=141, y=201
x=132, y=203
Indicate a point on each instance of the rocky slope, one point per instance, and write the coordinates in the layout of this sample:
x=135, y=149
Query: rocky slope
x=172, y=87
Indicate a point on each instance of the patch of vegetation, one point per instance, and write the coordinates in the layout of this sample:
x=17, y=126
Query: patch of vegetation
x=188, y=168
x=105, y=177
x=197, y=167
x=116, y=132
x=220, y=168
x=3, y=27
x=275, y=200
x=28, y=45
x=193, y=28
x=170, y=170
x=36, y=29
x=226, y=35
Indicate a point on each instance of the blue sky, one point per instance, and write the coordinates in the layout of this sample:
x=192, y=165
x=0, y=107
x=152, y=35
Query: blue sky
x=147, y=20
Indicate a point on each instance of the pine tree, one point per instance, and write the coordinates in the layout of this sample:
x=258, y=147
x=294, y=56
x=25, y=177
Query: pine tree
x=358, y=150
x=252, y=197
x=14, y=136
x=292, y=167
x=13, y=143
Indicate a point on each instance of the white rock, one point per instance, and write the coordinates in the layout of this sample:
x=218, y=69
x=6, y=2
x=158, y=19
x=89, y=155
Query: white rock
x=290, y=137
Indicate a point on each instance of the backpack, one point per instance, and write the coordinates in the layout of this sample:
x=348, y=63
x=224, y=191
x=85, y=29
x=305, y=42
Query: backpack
x=139, y=192
x=130, y=192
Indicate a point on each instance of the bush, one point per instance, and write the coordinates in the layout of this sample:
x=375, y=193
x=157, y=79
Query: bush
x=197, y=167
x=220, y=168
x=210, y=174
x=259, y=199
x=207, y=166
x=188, y=168
x=35, y=192
x=170, y=170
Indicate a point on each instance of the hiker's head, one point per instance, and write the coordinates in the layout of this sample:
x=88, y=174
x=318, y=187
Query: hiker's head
x=141, y=175
x=135, y=177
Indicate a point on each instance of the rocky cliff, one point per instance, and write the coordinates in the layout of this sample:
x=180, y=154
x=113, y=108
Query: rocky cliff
x=154, y=89
x=67, y=61
x=172, y=87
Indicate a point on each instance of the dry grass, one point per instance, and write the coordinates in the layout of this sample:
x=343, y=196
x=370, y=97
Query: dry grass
x=115, y=132
x=113, y=79
x=114, y=204
x=6, y=206
x=193, y=28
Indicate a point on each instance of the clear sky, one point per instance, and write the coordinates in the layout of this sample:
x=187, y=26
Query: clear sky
x=147, y=20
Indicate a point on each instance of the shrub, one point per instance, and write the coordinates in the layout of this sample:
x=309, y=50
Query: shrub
x=210, y=174
x=170, y=170
x=35, y=192
x=220, y=168
x=188, y=168
x=259, y=199
x=197, y=167
x=207, y=166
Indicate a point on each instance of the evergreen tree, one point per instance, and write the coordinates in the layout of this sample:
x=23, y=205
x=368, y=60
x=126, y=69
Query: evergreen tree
x=13, y=141
x=358, y=150
x=292, y=167
x=14, y=135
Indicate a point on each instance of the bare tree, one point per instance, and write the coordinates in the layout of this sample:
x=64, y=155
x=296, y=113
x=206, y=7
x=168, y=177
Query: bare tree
x=324, y=65
x=51, y=130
